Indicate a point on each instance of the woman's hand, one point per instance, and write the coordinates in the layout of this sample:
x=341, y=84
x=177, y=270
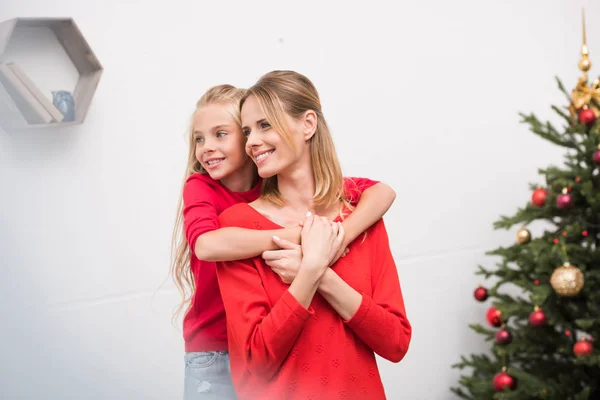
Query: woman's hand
x=286, y=261
x=342, y=251
x=320, y=242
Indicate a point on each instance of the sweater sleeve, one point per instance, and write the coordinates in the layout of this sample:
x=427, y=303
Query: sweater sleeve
x=380, y=321
x=200, y=213
x=263, y=334
x=355, y=186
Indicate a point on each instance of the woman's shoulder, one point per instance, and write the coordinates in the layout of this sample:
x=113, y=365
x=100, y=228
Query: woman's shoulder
x=239, y=215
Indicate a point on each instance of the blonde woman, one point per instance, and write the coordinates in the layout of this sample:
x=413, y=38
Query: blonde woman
x=218, y=175
x=315, y=338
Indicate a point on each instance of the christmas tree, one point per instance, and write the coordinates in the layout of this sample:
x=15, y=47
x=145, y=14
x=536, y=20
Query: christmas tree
x=542, y=339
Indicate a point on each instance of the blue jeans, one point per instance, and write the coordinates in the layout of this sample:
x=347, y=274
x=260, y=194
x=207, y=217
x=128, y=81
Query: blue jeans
x=207, y=376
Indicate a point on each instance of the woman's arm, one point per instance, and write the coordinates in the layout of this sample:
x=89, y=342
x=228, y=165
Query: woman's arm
x=263, y=333
x=379, y=320
x=340, y=296
x=233, y=243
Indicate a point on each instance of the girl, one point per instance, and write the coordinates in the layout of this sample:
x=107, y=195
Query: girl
x=315, y=338
x=219, y=174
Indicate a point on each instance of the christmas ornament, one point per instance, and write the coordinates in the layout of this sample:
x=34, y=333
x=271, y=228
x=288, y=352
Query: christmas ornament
x=537, y=318
x=584, y=96
x=564, y=200
x=567, y=280
x=523, y=236
x=503, y=337
x=493, y=317
x=538, y=198
x=583, y=348
x=596, y=156
x=503, y=380
x=481, y=294
x=587, y=117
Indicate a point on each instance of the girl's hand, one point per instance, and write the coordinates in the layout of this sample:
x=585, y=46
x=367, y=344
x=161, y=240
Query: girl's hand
x=343, y=250
x=286, y=261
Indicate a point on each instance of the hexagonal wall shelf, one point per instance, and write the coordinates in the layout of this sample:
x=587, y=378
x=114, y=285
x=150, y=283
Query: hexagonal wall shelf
x=38, y=89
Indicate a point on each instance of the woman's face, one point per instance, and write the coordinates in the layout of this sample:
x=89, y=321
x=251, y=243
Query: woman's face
x=267, y=148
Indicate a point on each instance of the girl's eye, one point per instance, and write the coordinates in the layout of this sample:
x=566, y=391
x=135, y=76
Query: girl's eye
x=265, y=125
x=246, y=132
x=199, y=139
x=221, y=134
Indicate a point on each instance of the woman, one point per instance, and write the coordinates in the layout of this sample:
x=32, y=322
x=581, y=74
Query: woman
x=315, y=338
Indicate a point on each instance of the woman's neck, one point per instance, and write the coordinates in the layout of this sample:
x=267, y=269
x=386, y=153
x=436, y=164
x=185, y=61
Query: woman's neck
x=297, y=187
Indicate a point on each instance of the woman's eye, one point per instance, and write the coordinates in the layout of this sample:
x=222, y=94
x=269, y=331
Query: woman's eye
x=265, y=125
x=221, y=134
x=199, y=139
x=246, y=132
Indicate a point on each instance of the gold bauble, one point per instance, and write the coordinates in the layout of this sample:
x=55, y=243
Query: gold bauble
x=523, y=236
x=585, y=64
x=567, y=280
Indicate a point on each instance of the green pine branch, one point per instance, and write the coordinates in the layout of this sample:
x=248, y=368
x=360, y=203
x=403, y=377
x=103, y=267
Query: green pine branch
x=542, y=358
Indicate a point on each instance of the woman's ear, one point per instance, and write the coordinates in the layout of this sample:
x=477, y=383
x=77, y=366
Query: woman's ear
x=309, y=123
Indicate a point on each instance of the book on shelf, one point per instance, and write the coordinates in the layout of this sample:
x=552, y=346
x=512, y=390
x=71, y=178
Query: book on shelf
x=36, y=92
x=33, y=106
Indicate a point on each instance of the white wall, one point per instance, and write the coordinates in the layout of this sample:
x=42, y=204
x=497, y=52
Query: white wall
x=421, y=95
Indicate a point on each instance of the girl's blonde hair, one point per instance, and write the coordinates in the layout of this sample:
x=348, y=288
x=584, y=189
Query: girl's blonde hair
x=288, y=92
x=180, y=270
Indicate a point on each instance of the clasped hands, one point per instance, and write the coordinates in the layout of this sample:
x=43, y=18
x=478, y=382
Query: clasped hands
x=321, y=245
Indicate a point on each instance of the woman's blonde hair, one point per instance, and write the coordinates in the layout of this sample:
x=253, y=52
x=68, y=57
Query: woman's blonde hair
x=230, y=97
x=288, y=92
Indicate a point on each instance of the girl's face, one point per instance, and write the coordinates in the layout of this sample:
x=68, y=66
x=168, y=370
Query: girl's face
x=219, y=141
x=269, y=151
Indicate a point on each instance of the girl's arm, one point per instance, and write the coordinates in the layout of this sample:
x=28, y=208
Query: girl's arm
x=374, y=202
x=233, y=243
x=208, y=242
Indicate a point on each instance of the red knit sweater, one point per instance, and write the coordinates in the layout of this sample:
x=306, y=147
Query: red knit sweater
x=280, y=350
x=204, y=327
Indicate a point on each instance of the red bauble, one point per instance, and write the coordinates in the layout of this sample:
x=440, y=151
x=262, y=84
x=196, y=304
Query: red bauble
x=538, y=198
x=503, y=380
x=481, y=294
x=564, y=201
x=503, y=337
x=583, y=348
x=537, y=318
x=493, y=317
x=597, y=157
x=587, y=117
